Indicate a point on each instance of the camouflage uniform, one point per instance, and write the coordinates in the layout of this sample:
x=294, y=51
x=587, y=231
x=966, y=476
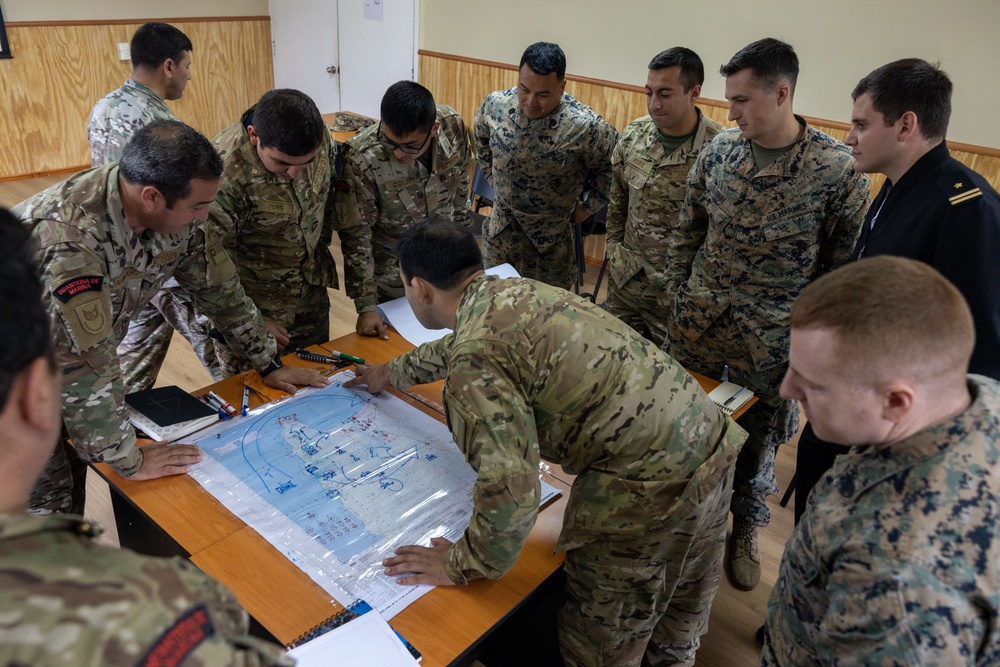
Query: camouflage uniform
x=118, y=116
x=539, y=170
x=745, y=245
x=68, y=601
x=535, y=372
x=647, y=193
x=278, y=234
x=379, y=198
x=895, y=559
x=98, y=274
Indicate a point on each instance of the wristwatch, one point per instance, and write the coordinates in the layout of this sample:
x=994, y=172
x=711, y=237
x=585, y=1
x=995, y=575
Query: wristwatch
x=274, y=365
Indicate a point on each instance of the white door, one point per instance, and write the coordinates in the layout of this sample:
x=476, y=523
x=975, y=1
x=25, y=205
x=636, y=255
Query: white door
x=304, y=45
x=378, y=47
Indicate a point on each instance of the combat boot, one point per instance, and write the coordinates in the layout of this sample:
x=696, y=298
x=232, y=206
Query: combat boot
x=743, y=557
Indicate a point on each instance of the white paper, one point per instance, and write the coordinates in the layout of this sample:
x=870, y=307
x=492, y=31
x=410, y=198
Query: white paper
x=399, y=314
x=366, y=641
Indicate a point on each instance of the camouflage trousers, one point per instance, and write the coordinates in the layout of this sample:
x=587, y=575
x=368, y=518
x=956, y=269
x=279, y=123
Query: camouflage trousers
x=637, y=303
x=62, y=486
x=647, y=601
x=557, y=266
x=144, y=348
x=771, y=422
x=307, y=324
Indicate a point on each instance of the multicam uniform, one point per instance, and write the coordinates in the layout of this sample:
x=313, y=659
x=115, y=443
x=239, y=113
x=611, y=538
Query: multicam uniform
x=647, y=193
x=116, y=118
x=379, y=198
x=67, y=601
x=539, y=170
x=895, y=559
x=97, y=274
x=746, y=243
x=534, y=372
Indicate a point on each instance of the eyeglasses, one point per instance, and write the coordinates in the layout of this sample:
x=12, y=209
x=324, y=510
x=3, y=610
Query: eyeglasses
x=409, y=149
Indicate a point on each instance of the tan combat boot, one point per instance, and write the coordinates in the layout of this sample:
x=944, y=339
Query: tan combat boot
x=743, y=557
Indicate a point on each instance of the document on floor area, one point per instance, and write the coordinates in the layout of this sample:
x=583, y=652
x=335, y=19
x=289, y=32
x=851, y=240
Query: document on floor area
x=399, y=314
x=366, y=641
x=336, y=479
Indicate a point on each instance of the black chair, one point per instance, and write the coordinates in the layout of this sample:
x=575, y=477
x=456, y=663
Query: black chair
x=597, y=224
x=481, y=197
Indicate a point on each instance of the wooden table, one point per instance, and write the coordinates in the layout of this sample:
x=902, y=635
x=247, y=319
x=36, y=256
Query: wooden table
x=445, y=624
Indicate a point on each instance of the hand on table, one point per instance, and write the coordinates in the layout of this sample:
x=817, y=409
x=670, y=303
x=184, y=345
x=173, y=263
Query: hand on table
x=279, y=332
x=375, y=378
x=160, y=459
x=287, y=378
x=425, y=564
x=372, y=324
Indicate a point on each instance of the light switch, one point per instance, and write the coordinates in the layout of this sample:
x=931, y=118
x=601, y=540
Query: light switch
x=123, y=51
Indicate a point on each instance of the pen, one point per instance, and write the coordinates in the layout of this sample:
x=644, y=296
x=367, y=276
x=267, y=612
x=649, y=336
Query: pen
x=225, y=405
x=733, y=397
x=215, y=405
x=336, y=367
x=347, y=357
x=246, y=400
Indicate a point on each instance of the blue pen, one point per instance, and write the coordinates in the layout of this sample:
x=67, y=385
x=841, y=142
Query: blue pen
x=246, y=400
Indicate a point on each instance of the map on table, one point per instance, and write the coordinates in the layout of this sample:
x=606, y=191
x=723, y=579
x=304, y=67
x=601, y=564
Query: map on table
x=335, y=479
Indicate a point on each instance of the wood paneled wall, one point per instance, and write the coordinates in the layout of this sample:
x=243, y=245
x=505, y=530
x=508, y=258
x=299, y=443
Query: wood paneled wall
x=60, y=70
x=465, y=82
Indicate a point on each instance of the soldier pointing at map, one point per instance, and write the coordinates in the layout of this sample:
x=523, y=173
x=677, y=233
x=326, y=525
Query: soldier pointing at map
x=654, y=456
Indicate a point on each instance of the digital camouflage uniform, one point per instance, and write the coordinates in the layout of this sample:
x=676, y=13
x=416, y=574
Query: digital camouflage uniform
x=379, y=198
x=278, y=234
x=68, y=601
x=536, y=372
x=116, y=118
x=539, y=170
x=113, y=122
x=895, y=561
x=647, y=193
x=97, y=273
x=745, y=245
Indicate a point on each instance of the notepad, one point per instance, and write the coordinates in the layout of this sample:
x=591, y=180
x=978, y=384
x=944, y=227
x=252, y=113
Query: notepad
x=365, y=641
x=168, y=413
x=730, y=396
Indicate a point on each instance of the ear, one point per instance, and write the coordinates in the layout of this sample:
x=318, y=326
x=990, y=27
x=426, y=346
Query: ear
x=562, y=87
x=254, y=137
x=908, y=126
x=152, y=199
x=422, y=290
x=897, y=401
x=168, y=68
x=695, y=92
x=784, y=93
x=37, y=395
x=435, y=128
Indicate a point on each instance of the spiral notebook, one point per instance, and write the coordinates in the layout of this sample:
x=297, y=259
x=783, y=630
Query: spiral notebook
x=168, y=413
x=357, y=636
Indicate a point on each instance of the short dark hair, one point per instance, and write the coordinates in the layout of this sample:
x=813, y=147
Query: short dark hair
x=168, y=155
x=692, y=69
x=910, y=84
x=440, y=251
x=544, y=58
x=24, y=328
x=770, y=60
x=153, y=43
x=289, y=121
x=408, y=107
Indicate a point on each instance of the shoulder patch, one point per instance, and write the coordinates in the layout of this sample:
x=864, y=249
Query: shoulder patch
x=343, y=186
x=177, y=642
x=80, y=285
x=958, y=187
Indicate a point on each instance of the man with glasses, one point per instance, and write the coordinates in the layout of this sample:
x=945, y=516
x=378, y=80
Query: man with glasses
x=411, y=166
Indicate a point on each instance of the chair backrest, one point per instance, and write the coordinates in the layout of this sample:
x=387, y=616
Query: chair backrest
x=481, y=189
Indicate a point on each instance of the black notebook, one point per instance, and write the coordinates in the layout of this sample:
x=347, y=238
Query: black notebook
x=168, y=413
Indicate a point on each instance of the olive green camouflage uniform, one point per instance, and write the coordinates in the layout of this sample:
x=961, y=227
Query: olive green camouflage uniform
x=647, y=193
x=379, y=198
x=116, y=118
x=895, y=561
x=534, y=372
x=97, y=274
x=746, y=243
x=539, y=170
x=278, y=234
x=68, y=601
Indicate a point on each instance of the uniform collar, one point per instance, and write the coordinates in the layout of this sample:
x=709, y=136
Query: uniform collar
x=785, y=166
x=656, y=151
x=925, y=167
x=550, y=120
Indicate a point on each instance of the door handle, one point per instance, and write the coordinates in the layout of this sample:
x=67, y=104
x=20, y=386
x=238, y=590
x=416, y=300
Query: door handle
x=332, y=69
